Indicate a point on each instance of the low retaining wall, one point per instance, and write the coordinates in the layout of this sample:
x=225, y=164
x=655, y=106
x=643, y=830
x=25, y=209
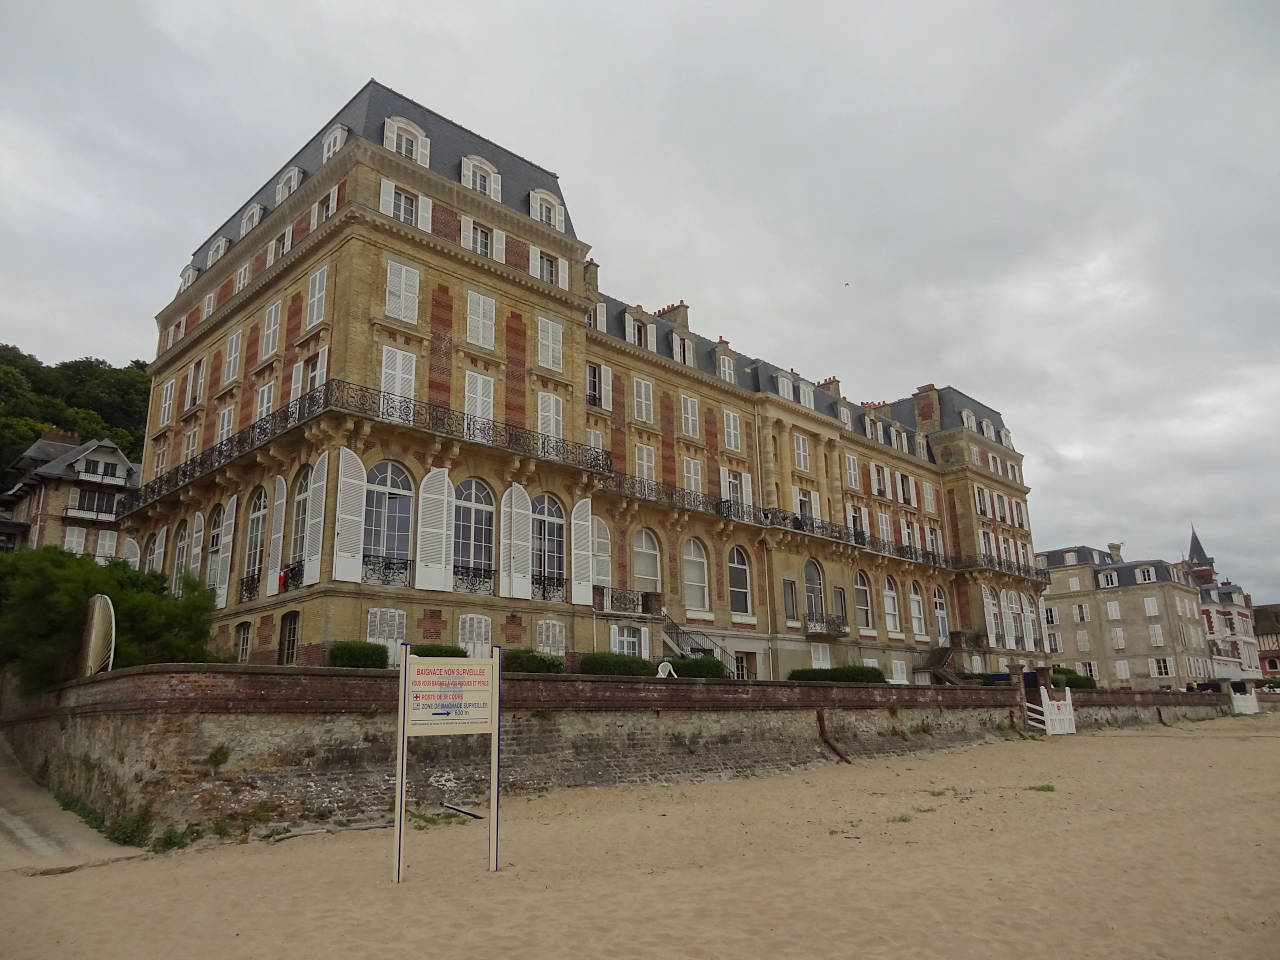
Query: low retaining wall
x=318, y=743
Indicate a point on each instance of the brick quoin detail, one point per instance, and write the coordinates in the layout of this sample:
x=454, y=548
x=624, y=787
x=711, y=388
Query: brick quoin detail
x=761, y=601
x=517, y=337
x=342, y=192
x=441, y=365
x=618, y=435
x=711, y=427
x=517, y=253
x=225, y=292
x=302, y=226
x=259, y=263
x=718, y=555
x=513, y=630
x=266, y=630
x=193, y=318
x=431, y=626
x=446, y=223
x=667, y=420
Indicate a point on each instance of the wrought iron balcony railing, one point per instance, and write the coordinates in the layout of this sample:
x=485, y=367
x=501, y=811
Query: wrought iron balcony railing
x=548, y=586
x=593, y=399
x=291, y=576
x=826, y=625
x=622, y=600
x=249, y=587
x=388, y=571
x=353, y=398
x=477, y=580
x=991, y=562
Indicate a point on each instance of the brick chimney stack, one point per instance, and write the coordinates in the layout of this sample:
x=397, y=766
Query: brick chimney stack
x=591, y=279
x=831, y=385
x=1114, y=550
x=676, y=314
x=928, y=417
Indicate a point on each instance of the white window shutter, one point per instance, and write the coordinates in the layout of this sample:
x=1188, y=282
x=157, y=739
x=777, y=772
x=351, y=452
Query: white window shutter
x=467, y=225
x=581, y=544
x=644, y=642
x=424, y=213
x=560, y=217
x=288, y=238
x=613, y=638
x=315, y=214
x=500, y=246
x=606, y=387
x=390, y=369
x=562, y=273
x=495, y=187
x=724, y=483
x=1151, y=667
x=904, y=530
x=534, y=210
x=866, y=520
x=435, y=532
x=849, y=511
x=224, y=552
x=387, y=197
x=333, y=199
x=409, y=295
x=348, y=539
x=424, y=151
x=813, y=505
x=315, y=520
x=795, y=499
x=197, y=544
x=516, y=558
x=295, y=389
x=271, y=253
x=545, y=414
x=535, y=259
x=466, y=171
x=746, y=490
x=276, y=547
x=651, y=336
x=601, y=316
x=388, y=134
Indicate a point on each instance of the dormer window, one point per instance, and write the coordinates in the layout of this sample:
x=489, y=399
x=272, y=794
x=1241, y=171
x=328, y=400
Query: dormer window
x=806, y=395
x=547, y=208
x=407, y=139
x=868, y=426
x=846, y=418
x=970, y=421
x=922, y=446
x=333, y=141
x=1006, y=437
x=785, y=389
x=1069, y=558
x=988, y=430
x=186, y=278
x=252, y=217
x=727, y=373
x=217, y=250
x=1108, y=578
x=880, y=431
x=482, y=176
x=287, y=183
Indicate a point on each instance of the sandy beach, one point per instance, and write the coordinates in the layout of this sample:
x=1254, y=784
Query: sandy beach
x=1151, y=844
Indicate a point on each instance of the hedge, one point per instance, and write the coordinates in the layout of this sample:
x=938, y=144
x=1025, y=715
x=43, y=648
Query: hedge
x=710, y=667
x=357, y=653
x=839, y=674
x=531, y=661
x=616, y=664
x=436, y=650
x=1081, y=683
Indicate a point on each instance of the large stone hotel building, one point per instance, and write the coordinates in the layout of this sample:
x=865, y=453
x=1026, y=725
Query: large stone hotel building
x=391, y=401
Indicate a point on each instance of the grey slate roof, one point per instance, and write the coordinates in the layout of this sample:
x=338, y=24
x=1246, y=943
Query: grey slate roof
x=450, y=142
x=1196, y=553
x=62, y=466
x=951, y=402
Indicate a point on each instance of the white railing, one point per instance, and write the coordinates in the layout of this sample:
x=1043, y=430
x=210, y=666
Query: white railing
x=1052, y=716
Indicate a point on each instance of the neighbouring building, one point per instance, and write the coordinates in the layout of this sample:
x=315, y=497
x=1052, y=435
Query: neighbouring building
x=1128, y=624
x=391, y=402
x=67, y=494
x=1266, y=623
x=1228, y=618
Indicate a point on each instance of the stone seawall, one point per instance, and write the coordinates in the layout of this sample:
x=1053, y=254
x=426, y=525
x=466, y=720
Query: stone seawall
x=255, y=746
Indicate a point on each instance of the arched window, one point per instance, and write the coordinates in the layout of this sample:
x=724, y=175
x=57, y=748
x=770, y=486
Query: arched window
x=301, y=500
x=940, y=614
x=473, y=537
x=646, y=563
x=739, y=581
x=813, y=590
x=215, y=546
x=862, y=601
x=333, y=141
x=917, y=611
x=548, y=548
x=481, y=175
x=149, y=555
x=1031, y=623
x=970, y=421
x=892, y=622
x=992, y=609
x=180, y=549
x=1012, y=621
x=387, y=512
x=696, y=596
x=601, y=553
x=253, y=540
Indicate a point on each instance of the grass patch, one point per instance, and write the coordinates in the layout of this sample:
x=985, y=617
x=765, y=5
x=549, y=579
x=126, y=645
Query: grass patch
x=277, y=832
x=131, y=829
x=221, y=830
x=900, y=818
x=173, y=839
x=90, y=815
x=1043, y=788
x=925, y=809
x=423, y=821
x=937, y=793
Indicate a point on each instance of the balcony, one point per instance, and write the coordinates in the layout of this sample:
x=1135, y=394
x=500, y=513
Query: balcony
x=111, y=481
x=548, y=586
x=620, y=600
x=291, y=576
x=826, y=625
x=249, y=587
x=387, y=571
x=75, y=513
x=593, y=399
x=989, y=561
x=476, y=580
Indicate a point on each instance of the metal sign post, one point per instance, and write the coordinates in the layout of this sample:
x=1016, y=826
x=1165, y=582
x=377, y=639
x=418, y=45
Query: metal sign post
x=441, y=696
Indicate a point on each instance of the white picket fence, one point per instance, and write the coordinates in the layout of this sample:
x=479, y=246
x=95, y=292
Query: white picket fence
x=1244, y=702
x=1052, y=716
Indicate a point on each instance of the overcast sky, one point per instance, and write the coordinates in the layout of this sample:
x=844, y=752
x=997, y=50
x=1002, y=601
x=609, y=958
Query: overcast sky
x=1069, y=211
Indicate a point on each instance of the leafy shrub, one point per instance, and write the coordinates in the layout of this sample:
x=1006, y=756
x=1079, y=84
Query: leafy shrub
x=131, y=829
x=436, y=650
x=1065, y=671
x=358, y=653
x=711, y=667
x=616, y=664
x=1082, y=683
x=531, y=661
x=839, y=674
x=974, y=677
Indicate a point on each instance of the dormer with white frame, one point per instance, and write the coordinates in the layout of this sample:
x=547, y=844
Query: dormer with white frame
x=288, y=182
x=970, y=421
x=187, y=277
x=252, y=217
x=217, y=250
x=407, y=139
x=545, y=207
x=482, y=176
x=333, y=141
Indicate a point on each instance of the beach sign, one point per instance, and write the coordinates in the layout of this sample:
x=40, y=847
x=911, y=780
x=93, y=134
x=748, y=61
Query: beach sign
x=446, y=696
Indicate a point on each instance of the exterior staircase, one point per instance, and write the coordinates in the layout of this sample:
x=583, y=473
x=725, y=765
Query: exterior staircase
x=688, y=643
x=938, y=663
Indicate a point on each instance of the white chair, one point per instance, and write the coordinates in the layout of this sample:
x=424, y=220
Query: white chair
x=666, y=670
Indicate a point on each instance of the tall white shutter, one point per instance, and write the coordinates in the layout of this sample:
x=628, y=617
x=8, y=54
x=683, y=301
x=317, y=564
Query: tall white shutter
x=534, y=210
x=388, y=135
x=1151, y=667
x=288, y=239
x=581, y=544
x=424, y=213
x=795, y=499
x=651, y=336
x=197, y=544
x=467, y=225
x=348, y=540
x=613, y=638
x=601, y=316
x=322, y=363
x=315, y=520
x=333, y=199
x=160, y=539
x=849, y=512
x=562, y=273
x=225, y=540
x=500, y=246
x=535, y=261
x=435, y=532
x=746, y=490
x=315, y=214
x=409, y=296
x=516, y=559
x=813, y=505
x=560, y=217
x=295, y=389
x=424, y=151
x=466, y=171
x=387, y=197
x=395, y=286
x=495, y=187
x=905, y=530
x=866, y=520
x=405, y=384
x=724, y=483
x=276, y=546
x=606, y=387
x=644, y=642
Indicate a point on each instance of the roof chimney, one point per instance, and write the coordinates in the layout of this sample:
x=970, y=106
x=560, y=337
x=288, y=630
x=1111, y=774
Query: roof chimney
x=591, y=277
x=676, y=314
x=1114, y=550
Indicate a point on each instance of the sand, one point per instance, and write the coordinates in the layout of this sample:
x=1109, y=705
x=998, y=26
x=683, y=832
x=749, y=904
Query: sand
x=1152, y=844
